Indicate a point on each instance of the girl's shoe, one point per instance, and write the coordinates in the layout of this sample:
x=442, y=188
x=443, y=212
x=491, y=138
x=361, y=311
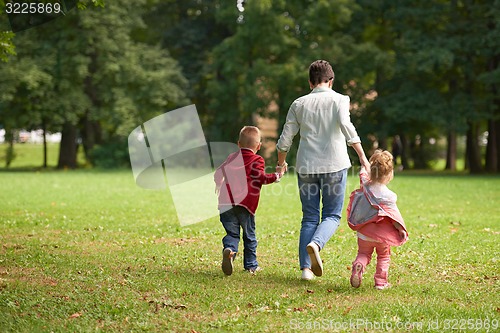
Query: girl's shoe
x=227, y=261
x=383, y=286
x=356, y=275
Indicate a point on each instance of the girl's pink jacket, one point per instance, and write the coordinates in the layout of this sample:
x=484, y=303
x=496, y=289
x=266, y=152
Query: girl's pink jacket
x=374, y=216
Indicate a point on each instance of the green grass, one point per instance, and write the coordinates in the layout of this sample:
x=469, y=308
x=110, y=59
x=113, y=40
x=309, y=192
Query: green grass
x=86, y=250
x=30, y=156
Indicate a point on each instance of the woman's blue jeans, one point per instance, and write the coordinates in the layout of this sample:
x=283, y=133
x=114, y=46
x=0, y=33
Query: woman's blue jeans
x=329, y=190
x=234, y=219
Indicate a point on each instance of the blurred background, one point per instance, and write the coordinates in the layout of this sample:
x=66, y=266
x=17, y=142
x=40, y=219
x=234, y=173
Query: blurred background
x=423, y=76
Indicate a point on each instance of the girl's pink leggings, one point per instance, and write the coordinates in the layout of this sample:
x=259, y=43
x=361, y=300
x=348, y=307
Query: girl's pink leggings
x=365, y=250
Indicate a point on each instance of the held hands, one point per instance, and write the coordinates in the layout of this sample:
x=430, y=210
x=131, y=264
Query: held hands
x=281, y=169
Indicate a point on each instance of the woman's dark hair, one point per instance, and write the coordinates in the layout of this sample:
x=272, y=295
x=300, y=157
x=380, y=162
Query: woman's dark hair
x=320, y=71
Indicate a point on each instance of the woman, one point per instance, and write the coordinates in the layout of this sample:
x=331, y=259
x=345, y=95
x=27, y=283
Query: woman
x=323, y=120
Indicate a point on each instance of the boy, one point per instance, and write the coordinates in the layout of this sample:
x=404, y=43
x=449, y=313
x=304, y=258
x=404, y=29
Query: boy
x=238, y=182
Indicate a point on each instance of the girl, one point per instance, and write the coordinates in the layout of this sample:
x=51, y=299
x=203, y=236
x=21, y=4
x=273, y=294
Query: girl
x=373, y=213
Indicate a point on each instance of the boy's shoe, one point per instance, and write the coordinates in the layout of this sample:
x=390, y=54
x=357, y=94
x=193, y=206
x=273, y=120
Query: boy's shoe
x=227, y=261
x=316, y=263
x=254, y=270
x=356, y=275
x=383, y=286
x=307, y=274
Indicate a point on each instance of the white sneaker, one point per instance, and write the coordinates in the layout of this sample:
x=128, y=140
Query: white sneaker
x=307, y=274
x=253, y=271
x=383, y=286
x=316, y=263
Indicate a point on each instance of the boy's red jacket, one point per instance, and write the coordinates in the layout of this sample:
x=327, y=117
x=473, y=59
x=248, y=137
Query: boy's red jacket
x=240, y=179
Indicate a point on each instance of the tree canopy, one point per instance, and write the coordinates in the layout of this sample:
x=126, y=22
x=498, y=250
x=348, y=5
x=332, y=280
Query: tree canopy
x=420, y=73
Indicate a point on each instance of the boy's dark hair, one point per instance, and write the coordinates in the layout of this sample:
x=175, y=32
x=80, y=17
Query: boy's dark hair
x=320, y=71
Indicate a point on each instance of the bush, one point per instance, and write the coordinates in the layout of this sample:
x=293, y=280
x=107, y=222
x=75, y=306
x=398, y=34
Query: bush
x=111, y=155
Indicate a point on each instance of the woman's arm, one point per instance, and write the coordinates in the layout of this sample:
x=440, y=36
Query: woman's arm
x=362, y=157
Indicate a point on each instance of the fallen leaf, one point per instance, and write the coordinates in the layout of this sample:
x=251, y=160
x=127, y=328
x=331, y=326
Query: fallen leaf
x=346, y=311
x=298, y=309
x=455, y=223
x=75, y=315
x=433, y=225
x=311, y=305
x=309, y=291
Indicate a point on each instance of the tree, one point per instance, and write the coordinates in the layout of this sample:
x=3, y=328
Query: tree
x=433, y=85
x=104, y=82
x=7, y=47
x=266, y=57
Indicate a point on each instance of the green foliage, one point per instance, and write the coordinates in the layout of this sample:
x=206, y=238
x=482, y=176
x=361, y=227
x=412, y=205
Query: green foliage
x=6, y=47
x=111, y=155
x=82, y=4
x=95, y=76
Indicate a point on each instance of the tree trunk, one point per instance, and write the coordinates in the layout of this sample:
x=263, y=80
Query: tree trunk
x=404, y=152
x=451, y=151
x=418, y=153
x=91, y=130
x=68, y=147
x=91, y=135
x=44, y=131
x=382, y=142
x=472, y=153
x=497, y=131
x=10, y=155
x=491, y=147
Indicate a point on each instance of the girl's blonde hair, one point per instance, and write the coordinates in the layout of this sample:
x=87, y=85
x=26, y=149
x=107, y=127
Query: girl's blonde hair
x=382, y=165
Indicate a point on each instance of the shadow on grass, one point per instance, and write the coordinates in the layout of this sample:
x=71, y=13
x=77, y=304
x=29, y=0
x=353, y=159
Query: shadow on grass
x=266, y=280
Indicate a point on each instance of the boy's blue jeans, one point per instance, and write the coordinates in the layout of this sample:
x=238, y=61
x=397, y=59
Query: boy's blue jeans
x=329, y=189
x=234, y=219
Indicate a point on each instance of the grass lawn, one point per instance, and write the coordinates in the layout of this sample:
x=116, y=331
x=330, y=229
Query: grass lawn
x=88, y=250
